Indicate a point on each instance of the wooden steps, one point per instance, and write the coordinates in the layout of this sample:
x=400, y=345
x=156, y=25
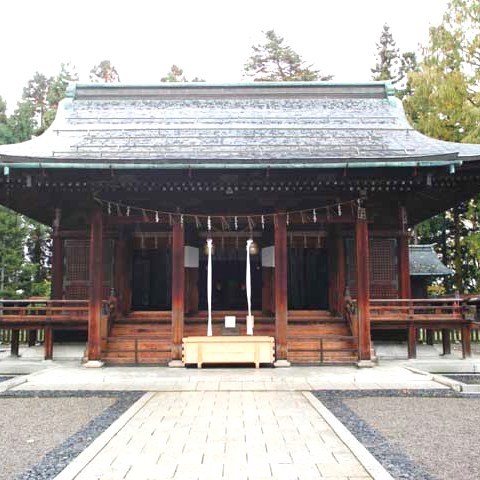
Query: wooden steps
x=138, y=343
x=313, y=339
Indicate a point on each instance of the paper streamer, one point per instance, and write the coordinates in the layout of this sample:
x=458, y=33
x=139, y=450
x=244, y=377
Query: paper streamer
x=209, y=287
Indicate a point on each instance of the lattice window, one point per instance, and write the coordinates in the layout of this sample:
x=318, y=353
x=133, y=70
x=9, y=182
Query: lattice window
x=76, y=279
x=383, y=267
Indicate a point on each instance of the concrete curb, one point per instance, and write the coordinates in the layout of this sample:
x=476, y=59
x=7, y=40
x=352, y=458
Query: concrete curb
x=78, y=464
x=366, y=459
x=12, y=383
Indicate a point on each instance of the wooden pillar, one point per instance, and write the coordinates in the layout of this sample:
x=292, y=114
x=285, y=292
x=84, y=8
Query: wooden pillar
x=447, y=344
x=281, y=294
x=178, y=287
x=466, y=341
x=57, y=266
x=404, y=287
x=341, y=281
x=32, y=338
x=48, y=343
x=15, y=342
x=121, y=279
x=412, y=341
x=333, y=294
x=96, y=285
x=363, y=288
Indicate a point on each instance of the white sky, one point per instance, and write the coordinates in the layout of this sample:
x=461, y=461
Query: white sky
x=210, y=39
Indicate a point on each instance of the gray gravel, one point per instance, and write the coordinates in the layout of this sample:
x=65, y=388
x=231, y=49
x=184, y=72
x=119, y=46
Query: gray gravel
x=31, y=427
x=441, y=435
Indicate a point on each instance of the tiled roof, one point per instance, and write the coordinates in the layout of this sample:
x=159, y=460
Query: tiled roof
x=424, y=261
x=241, y=125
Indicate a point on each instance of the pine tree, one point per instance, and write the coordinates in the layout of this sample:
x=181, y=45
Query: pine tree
x=104, y=72
x=388, y=57
x=275, y=61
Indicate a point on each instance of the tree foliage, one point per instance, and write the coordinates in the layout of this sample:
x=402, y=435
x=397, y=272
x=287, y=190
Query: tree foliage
x=391, y=65
x=175, y=74
x=104, y=72
x=275, y=61
x=444, y=103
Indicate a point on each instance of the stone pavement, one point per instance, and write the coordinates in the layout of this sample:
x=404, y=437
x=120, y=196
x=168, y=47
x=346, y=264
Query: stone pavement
x=76, y=377
x=221, y=435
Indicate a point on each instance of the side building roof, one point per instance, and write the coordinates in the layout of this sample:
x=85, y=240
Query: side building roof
x=424, y=261
x=251, y=125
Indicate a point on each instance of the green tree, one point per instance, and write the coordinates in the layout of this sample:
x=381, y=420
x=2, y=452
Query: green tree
x=104, y=72
x=174, y=75
x=57, y=89
x=275, y=61
x=35, y=93
x=444, y=104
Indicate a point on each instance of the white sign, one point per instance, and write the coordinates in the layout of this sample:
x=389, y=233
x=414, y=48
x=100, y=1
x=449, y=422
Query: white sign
x=230, y=321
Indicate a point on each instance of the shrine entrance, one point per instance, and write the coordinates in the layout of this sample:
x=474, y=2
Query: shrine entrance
x=151, y=279
x=228, y=277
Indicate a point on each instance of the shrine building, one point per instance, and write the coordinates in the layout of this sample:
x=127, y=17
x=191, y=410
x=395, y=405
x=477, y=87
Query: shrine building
x=153, y=192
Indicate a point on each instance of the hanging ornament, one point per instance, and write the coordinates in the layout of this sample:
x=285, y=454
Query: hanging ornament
x=263, y=222
x=198, y=224
x=119, y=210
x=236, y=223
x=288, y=219
x=157, y=218
x=339, y=209
x=109, y=208
x=302, y=217
x=181, y=219
x=128, y=211
x=314, y=215
x=209, y=224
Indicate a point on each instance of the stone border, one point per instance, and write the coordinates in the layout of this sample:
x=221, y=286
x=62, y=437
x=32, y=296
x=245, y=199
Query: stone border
x=374, y=468
x=87, y=455
x=397, y=463
x=11, y=382
x=61, y=456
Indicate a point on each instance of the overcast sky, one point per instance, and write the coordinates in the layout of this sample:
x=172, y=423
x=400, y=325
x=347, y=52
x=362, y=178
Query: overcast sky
x=210, y=39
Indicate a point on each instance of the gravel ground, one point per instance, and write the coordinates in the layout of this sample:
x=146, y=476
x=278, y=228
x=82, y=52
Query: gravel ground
x=44, y=431
x=415, y=435
x=472, y=379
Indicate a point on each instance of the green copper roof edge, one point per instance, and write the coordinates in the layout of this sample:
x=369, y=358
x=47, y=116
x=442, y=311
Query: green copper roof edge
x=238, y=166
x=74, y=88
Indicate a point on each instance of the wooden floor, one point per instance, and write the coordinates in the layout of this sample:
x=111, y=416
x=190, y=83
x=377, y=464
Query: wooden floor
x=314, y=337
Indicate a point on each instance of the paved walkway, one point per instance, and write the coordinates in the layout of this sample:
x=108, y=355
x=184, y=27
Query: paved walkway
x=221, y=435
x=61, y=377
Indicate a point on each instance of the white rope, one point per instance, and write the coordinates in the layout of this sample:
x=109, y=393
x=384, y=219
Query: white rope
x=248, y=279
x=209, y=287
x=248, y=284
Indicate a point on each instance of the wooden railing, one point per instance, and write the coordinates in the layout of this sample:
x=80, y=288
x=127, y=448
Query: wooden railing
x=30, y=313
x=350, y=313
x=434, y=310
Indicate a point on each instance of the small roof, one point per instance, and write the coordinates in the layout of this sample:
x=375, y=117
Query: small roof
x=424, y=261
x=251, y=125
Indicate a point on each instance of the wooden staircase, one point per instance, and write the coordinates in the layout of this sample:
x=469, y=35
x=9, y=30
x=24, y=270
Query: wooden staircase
x=139, y=338
x=314, y=338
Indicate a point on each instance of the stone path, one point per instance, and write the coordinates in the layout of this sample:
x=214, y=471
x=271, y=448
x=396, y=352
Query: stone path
x=240, y=379
x=221, y=435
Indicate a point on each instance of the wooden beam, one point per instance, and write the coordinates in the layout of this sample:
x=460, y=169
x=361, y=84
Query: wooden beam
x=363, y=289
x=96, y=285
x=48, y=343
x=281, y=293
x=178, y=286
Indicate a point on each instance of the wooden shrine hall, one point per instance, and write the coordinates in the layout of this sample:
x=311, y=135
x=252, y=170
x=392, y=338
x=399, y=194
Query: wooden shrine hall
x=282, y=209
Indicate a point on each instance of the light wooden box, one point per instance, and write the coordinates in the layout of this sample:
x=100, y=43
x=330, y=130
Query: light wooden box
x=230, y=349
